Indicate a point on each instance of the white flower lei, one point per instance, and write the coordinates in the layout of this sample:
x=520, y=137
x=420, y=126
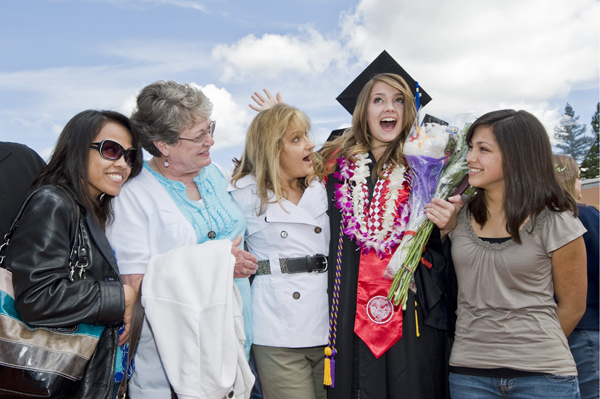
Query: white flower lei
x=351, y=202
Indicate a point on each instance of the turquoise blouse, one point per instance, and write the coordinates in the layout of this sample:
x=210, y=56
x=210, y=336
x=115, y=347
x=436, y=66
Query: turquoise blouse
x=217, y=212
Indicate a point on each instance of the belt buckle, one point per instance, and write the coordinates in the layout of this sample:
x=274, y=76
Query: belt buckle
x=307, y=262
x=325, y=263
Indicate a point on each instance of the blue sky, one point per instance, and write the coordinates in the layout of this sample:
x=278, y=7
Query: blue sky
x=60, y=57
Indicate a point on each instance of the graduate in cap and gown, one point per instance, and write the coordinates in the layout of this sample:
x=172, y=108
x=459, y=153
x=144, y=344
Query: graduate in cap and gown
x=377, y=350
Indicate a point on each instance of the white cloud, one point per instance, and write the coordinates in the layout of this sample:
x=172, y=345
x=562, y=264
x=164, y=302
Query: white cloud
x=273, y=55
x=46, y=152
x=128, y=105
x=72, y=87
x=176, y=3
x=45, y=100
x=469, y=53
x=158, y=57
x=232, y=119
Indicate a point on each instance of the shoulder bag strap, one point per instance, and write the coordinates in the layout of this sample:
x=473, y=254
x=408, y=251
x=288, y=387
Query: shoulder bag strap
x=13, y=227
x=136, y=327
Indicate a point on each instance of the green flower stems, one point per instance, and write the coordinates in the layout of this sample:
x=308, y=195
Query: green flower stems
x=399, y=291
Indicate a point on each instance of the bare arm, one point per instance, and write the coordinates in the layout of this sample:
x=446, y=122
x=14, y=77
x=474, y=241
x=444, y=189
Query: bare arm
x=133, y=280
x=130, y=297
x=131, y=286
x=569, y=274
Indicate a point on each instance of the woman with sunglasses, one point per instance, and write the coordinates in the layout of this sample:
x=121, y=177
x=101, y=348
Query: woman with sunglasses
x=180, y=199
x=95, y=155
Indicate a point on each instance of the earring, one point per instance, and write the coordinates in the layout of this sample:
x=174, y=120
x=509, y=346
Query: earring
x=166, y=163
x=101, y=198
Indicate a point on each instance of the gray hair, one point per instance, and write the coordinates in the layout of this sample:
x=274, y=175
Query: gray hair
x=165, y=109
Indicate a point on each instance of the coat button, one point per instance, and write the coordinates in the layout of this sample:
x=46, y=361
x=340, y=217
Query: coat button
x=230, y=394
x=284, y=234
x=318, y=230
x=296, y=295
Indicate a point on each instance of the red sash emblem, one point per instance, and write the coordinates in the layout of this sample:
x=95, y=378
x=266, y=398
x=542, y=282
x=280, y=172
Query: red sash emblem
x=380, y=310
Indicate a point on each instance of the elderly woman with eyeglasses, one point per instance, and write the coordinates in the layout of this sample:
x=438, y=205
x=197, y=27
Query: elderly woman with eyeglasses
x=179, y=199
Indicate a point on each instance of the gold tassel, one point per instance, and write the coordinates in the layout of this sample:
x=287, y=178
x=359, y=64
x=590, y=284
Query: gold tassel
x=327, y=376
x=417, y=320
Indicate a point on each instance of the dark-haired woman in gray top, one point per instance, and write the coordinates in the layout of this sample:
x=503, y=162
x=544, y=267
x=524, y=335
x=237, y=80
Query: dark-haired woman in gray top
x=517, y=244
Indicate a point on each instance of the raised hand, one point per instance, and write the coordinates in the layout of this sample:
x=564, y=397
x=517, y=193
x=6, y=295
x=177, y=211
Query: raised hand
x=265, y=103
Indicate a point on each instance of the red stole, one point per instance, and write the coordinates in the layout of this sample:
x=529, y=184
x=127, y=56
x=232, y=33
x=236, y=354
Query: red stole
x=378, y=323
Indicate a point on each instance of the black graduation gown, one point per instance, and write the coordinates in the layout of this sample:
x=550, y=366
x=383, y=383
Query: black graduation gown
x=415, y=367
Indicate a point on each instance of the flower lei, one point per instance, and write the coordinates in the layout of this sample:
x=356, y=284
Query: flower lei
x=351, y=200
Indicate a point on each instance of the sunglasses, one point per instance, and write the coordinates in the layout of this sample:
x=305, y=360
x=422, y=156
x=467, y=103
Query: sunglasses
x=201, y=138
x=113, y=151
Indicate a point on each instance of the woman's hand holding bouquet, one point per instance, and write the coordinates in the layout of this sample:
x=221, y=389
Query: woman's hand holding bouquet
x=437, y=156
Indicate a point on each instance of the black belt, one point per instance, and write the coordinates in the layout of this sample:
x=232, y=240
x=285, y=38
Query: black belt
x=305, y=264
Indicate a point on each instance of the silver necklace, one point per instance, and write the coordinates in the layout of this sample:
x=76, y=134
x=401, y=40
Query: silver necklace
x=211, y=233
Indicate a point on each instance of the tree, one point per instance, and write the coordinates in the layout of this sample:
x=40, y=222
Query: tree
x=589, y=166
x=571, y=136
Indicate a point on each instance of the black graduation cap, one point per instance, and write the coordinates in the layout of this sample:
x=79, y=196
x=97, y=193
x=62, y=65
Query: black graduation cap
x=432, y=119
x=335, y=134
x=384, y=63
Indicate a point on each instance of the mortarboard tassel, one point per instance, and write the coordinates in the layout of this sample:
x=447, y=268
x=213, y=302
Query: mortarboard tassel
x=417, y=96
x=417, y=320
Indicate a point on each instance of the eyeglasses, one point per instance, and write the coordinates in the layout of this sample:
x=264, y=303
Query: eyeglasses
x=113, y=151
x=201, y=138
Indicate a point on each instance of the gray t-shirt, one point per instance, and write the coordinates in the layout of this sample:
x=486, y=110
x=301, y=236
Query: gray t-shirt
x=506, y=308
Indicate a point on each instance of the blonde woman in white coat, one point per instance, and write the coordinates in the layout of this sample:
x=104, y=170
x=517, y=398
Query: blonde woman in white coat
x=288, y=231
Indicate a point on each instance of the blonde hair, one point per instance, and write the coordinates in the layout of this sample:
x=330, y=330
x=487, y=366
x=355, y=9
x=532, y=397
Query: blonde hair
x=567, y=173
x=358, y=138
x=262, y=151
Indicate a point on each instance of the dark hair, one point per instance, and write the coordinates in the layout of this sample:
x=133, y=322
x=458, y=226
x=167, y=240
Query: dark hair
x=530, y=183
x=69, y=162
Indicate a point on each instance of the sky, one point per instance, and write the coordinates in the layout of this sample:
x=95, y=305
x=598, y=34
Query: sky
x=60, y=57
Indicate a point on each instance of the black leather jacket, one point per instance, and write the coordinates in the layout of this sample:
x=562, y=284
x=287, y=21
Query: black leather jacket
x=38, y=256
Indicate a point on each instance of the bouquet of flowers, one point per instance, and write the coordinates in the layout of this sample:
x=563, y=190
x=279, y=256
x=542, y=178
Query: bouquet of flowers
x=437, y=156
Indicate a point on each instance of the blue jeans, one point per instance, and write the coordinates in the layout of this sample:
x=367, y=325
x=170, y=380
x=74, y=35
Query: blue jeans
x=584, y=347
x=544, y=386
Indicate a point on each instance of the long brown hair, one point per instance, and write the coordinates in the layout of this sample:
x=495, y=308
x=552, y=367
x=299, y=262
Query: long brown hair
x=358, y=138
x=529, y=177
